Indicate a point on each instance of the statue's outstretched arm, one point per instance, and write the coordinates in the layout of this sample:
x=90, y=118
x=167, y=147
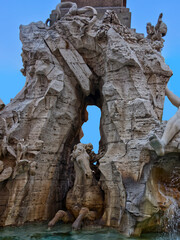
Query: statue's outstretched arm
x=175, y=100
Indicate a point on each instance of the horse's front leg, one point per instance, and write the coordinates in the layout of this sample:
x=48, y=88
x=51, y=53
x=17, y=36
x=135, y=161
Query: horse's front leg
x=61, y=215
x=82, y=214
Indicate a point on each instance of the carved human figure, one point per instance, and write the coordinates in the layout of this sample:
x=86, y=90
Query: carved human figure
x=85, y=199
x=172, y=127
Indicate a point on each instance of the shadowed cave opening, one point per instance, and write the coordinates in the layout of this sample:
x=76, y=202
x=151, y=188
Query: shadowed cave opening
x=64, y=176
x=91, y=127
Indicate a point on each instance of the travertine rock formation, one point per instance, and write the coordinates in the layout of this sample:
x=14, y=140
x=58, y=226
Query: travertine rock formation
x=68, y=67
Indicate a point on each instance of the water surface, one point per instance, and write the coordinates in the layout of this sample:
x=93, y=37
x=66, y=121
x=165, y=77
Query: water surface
x=64, y=232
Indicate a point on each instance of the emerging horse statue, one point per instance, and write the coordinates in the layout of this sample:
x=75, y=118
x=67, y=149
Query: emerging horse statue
x=85, y=199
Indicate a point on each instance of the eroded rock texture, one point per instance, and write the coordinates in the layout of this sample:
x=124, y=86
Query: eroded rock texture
x=68, y=67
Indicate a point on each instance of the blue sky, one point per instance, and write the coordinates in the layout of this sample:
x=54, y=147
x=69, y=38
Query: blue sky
x=91, y=127
x=14, y=13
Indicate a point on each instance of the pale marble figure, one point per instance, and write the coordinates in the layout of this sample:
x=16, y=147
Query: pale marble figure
x=172, y=127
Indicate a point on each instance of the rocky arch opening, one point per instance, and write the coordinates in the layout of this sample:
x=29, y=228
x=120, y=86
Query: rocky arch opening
x=91, y=115
x=90, y=130
x=64, y=175
x=71, y=167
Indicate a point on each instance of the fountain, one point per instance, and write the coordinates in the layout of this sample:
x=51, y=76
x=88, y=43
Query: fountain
x=70, y=62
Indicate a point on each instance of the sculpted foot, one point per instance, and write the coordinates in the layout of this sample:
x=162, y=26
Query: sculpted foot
x=157, y=145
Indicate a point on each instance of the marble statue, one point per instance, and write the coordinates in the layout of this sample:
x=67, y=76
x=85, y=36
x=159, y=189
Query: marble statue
x=78, y=201
x=155, y=33
x=172, y=127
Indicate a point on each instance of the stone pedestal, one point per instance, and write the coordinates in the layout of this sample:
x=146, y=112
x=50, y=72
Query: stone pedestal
x=98, y=3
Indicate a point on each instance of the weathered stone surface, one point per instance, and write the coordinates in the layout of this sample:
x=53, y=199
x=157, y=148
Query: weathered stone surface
x=78, y=68
x=124, y=76
x=5, y=174
x=1, y=166
x=2, y=105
